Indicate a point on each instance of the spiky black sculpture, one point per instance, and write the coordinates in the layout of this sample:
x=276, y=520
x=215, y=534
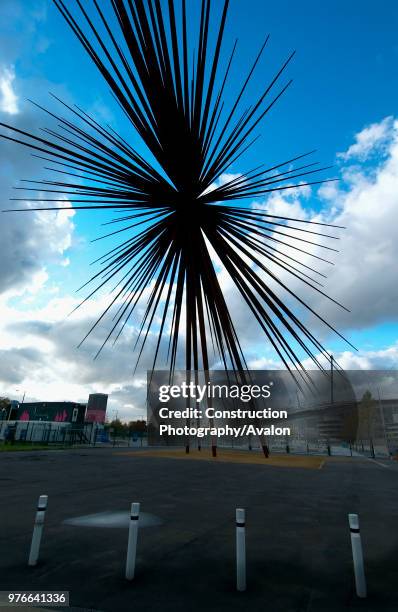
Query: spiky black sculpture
x=172, y=91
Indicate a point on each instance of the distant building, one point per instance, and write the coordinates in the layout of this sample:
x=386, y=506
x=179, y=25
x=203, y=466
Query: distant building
x=96, y=408
x=57, y=412
x=51, y=422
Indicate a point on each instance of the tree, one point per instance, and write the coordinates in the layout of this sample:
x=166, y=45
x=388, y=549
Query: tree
x=5, y=406
x=137, y=426
x=119, y=428
x=350, y=424
x=367, y=414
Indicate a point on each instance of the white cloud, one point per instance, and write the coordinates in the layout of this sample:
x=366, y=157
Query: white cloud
x=288, y=204
x=28, y=247
x=265, y=363
x=30, y=241
x=39, y=352
x=39, y=355
x=364, y=277
x=8, y=97
x=224, y=178
x=382, y=359
x=372, y=139
x=364, y=274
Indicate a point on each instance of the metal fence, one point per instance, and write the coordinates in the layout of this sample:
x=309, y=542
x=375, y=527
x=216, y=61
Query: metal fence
x=44, y=432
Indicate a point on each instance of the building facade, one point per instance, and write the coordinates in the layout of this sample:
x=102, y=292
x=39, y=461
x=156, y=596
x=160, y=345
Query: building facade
x=57, y=412
x=96, y=408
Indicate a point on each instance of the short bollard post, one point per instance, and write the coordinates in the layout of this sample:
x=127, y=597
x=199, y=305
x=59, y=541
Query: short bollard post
x=132, y=541
x=240, y=550
x=357, y=555
x=38, y=530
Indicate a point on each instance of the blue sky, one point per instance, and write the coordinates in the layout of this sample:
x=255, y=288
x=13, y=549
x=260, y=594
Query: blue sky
x=343, y=71
x=344, y=76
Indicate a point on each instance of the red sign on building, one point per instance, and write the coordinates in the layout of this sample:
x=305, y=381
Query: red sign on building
x=96, y=408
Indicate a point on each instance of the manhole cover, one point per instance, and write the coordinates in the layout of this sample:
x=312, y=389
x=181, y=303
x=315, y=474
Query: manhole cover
x=113, y=520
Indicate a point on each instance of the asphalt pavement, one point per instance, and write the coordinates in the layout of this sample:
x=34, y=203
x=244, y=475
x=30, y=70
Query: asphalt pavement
x=298, y=542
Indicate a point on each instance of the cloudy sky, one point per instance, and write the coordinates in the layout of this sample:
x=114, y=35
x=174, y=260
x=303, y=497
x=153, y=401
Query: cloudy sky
x=344, y=103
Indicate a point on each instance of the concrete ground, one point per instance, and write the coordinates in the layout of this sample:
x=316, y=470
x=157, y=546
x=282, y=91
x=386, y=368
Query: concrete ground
x=298, y=543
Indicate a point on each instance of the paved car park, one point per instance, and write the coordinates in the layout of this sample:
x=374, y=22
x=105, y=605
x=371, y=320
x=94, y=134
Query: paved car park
x=298, y=542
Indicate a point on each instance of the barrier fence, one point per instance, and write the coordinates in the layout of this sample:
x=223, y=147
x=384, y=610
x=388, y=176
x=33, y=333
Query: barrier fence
x=43, y=432
x=69, y=434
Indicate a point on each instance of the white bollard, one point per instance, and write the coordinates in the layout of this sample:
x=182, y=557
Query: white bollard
x=357, y=555
x=38, y=530
x=240, y=550
x=132, y=541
